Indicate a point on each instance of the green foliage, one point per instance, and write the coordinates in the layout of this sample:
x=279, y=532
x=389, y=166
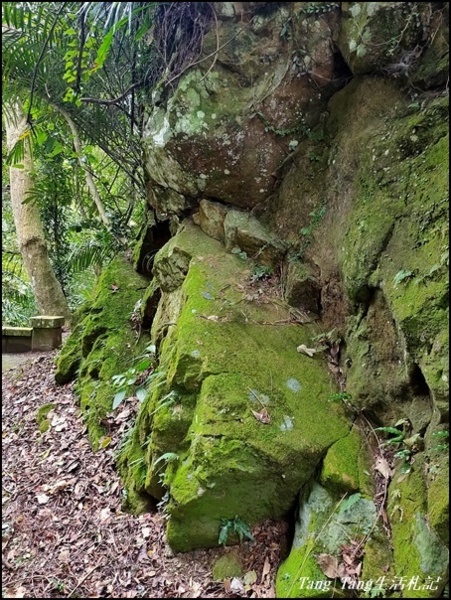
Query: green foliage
x=167, y=457
x=241, y=253
x=402, y=276
x=319, y=8
x=234, y=526
x=328, y=338
x=340, y=397
x=18, y=303
x=349, y=502
x=405, y=447
x=142, y=375
x=399, y=435
x=313, y=157
x=443, y=438
x=306, y=232
x=261, y=272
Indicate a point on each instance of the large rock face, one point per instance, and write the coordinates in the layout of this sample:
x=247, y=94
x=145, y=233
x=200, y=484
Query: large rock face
x=228, y=126
x=277, y=164
x=246, y=415
x=103, y=343
x=383, y=236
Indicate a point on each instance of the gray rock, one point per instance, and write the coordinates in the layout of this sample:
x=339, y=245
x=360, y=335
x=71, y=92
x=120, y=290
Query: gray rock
x=244, y=231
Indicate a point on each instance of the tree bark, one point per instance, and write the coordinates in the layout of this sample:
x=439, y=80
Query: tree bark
x=48, y=293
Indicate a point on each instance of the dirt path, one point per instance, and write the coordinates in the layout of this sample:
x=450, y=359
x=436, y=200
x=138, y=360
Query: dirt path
x=64, y=534
x=12, y=361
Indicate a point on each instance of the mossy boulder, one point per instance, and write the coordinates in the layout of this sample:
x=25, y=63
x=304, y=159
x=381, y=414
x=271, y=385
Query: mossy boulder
x=383, y=235
x=104, y=343
x=234, y=117
x=346, y=465
x=417, y=549
x=238, y=424
x=377, y=36
x=227, y=566
x=324, y=526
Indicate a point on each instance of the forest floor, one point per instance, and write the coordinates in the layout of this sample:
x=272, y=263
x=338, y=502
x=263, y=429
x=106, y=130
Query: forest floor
x=64, y=534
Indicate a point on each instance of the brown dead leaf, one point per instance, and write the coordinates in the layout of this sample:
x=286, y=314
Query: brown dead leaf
x=382, y=466
x=330, y=566
x=266, y=569
x=302, y=349
x=262, y=416
x=18, y=593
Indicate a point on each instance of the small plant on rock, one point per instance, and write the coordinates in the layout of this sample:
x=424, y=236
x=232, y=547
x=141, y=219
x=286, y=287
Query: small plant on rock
x=234, y=526
x=406, y=447
x=261, y=273
x=442, y=438
x=142, y=375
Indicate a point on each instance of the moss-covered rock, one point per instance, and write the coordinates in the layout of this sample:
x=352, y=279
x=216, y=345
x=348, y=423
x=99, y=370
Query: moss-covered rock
x=418, y=551
x=70, y=355
x=41, y=417
x=238, y=425
x=346, y=465
x=324, y=526
x=377, y=36
x=103, y=343
x=228, y=125
x=227, y=566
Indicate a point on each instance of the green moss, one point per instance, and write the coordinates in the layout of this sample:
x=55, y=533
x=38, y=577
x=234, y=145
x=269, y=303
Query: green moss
x=103, y=343
x=41, y=417
x=438, y=490
x=224, y=356
x=393, y=257
x=70, y=356
x=323, y=526
x=345, y=464
x=417, y=550
x=227, y=566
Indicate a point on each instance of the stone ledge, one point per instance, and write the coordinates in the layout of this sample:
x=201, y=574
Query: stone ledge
x=44, y=322
x=17, y=331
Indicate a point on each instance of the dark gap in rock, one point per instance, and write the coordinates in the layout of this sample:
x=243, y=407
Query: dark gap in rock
x=366, y=296
x=291, y=520
x=418, y=382
x=150, y=309
x=94, y=373
x=342, y=72
x=154, y=239
x=372, y=415
x=88, y=341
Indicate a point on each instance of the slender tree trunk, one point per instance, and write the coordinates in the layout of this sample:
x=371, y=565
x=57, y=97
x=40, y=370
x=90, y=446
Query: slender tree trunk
x=88, y=176
x=48, y=293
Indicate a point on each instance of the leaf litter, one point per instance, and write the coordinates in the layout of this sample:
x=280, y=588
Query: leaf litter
x=64, y=534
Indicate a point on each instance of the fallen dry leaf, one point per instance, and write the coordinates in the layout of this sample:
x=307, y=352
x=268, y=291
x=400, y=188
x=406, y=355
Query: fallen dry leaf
x=42, y=498
x=266, y=568
x=262, y=416
x=234, y=586
x=250, y=578
x=81, y=517
x=330, y=566
x=18, y=593
x=302, y=349
x=382, y=466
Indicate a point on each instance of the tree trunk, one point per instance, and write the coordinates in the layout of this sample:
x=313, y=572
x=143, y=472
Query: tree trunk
x=48, y=293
